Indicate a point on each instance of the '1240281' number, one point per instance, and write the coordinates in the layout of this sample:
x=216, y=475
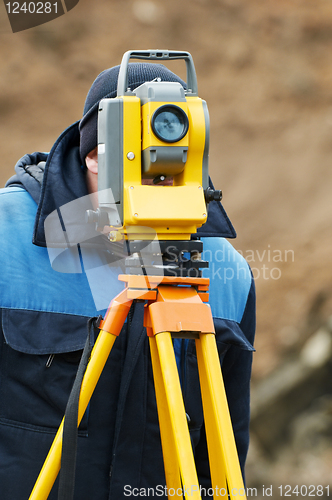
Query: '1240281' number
x=31, y=8
x=304, y=491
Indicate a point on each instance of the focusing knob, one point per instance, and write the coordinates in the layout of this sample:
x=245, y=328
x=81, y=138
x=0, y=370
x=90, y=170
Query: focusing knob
x=212, y=195
x=98, y=217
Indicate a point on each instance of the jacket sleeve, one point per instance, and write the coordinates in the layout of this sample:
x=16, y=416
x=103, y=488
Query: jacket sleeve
x=236, y=369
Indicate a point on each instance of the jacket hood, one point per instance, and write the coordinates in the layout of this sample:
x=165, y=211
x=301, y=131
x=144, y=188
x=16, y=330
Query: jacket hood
x=57, y=178
x=29, y=174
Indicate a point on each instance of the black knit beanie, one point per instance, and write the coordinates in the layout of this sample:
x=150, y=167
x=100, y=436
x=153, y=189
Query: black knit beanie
x=105, y=85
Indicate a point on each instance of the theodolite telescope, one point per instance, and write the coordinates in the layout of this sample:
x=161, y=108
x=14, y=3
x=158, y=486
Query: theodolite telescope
x=158, y=131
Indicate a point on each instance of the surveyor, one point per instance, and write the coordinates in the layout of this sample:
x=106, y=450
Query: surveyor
x=49, y=294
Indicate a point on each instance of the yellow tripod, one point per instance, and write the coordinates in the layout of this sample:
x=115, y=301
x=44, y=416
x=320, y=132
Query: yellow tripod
x=176, y=307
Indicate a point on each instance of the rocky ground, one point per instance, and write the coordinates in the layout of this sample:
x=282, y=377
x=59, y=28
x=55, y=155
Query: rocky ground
x=264, y=68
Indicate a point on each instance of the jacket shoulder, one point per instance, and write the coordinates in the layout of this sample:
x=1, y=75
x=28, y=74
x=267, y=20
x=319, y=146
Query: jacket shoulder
x=230, y=279
x=15, y=204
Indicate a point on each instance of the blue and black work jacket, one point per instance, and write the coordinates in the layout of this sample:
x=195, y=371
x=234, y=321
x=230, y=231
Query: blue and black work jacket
x=48, y=295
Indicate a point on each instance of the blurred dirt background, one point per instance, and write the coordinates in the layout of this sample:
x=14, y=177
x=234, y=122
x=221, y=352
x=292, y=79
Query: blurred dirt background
x=265, y=69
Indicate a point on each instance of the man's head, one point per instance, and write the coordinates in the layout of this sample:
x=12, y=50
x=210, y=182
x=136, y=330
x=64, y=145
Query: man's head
x=105, y=86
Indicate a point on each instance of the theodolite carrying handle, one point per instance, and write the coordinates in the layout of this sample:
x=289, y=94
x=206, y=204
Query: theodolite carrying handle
x=156, y=55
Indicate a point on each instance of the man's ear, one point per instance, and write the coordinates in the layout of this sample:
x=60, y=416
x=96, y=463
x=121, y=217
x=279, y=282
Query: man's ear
x=91, y=161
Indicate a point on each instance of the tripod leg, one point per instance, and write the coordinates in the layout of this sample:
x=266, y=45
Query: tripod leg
x=224, y=462
x=114, y=319
x=171, y=464
x=51, y=466
x=178, y=421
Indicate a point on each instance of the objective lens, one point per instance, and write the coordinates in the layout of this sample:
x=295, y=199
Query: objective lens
x=169, y=123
